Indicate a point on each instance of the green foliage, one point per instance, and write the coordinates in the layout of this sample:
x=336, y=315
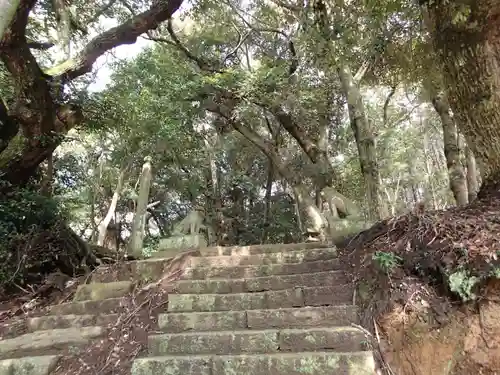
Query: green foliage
x=23, y=214
x=387, y=262
x=463, y=283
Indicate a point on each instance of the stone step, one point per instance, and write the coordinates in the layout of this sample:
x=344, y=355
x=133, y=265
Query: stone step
x=260, y=249
x=310, y=363
x=242, y=272
x=107, y=306
x=41, y=323
x=342, y=339
x=101, y=291
x=153, y=269
x=41, y=365
x=306, y=317
x=294, y=297
x=142, y=270
x=260, y=284
x=296, y=256
x=48, y=342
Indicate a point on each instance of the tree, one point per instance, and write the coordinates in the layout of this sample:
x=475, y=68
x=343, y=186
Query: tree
x=467, y=47
x=7, y=11
x=41, y=114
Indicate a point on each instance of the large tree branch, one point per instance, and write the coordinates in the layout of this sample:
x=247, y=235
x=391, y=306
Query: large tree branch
x=126, y=33
x=202, y=64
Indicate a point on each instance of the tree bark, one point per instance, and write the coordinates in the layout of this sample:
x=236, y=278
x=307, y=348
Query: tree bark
x=103, y=225
x=46, y=184
x=267, y=200
x=472, y=181
x=7, y=11
x=214, y=200
x=365, y=141
x=452, y=151
x=137, y=233
x=466, y=40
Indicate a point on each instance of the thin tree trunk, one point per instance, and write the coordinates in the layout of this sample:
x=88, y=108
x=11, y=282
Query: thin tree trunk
x=452, y=150
x=428, y=169
x=472, y=181
x=214, y=200
x=7, y=11
x=139, y=223
x=365, y=141
x=103, y=225
x=267, y=199
x=48, y=177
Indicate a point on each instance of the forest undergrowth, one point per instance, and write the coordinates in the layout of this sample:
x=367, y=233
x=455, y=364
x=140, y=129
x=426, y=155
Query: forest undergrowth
x=442, y=257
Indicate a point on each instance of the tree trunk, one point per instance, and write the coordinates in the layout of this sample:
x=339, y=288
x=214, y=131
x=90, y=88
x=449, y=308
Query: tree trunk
x=267, y=199
x=472, y=183
x=137, y=233
x=324, y=175
x=466, y=39
x=7, y=11
x=46, y=184
x=103, y=225
x=365, y=141
x=314, y=222
x=214, y=201
x=452, y=150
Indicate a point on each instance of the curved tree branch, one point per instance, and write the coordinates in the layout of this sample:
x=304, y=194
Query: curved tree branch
x=126, y=33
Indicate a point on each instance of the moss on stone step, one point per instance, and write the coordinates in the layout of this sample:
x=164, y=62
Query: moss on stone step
x=306, y=363
x=102, y=291
x=41, y=365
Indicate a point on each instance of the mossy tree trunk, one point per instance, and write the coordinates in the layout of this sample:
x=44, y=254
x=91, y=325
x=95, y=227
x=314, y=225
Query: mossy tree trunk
x=139, y=223
x=472, y=174
x=452, y=150
x=365, y=141
x=467, y=41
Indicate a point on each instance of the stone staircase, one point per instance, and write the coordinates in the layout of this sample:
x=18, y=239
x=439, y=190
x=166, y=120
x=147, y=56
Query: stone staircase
x=257, y=310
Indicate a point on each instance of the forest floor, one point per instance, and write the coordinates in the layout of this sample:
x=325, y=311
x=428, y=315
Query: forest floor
x=112, y=354
x=434, y=270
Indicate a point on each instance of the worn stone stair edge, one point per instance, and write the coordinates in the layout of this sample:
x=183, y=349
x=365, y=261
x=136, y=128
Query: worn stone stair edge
x=201, y=273
x=47, y=322
x=39, y=365
x=312, y=363
x=258, y=341
x=260, y=284
x=292, y=297
x=102, y=291
x=107, y=306
x=51, y=340
x=247, y=250
x=258, y=319
x=293, y=256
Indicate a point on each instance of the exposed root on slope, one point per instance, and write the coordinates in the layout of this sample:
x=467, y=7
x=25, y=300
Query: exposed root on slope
x=430, y=270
